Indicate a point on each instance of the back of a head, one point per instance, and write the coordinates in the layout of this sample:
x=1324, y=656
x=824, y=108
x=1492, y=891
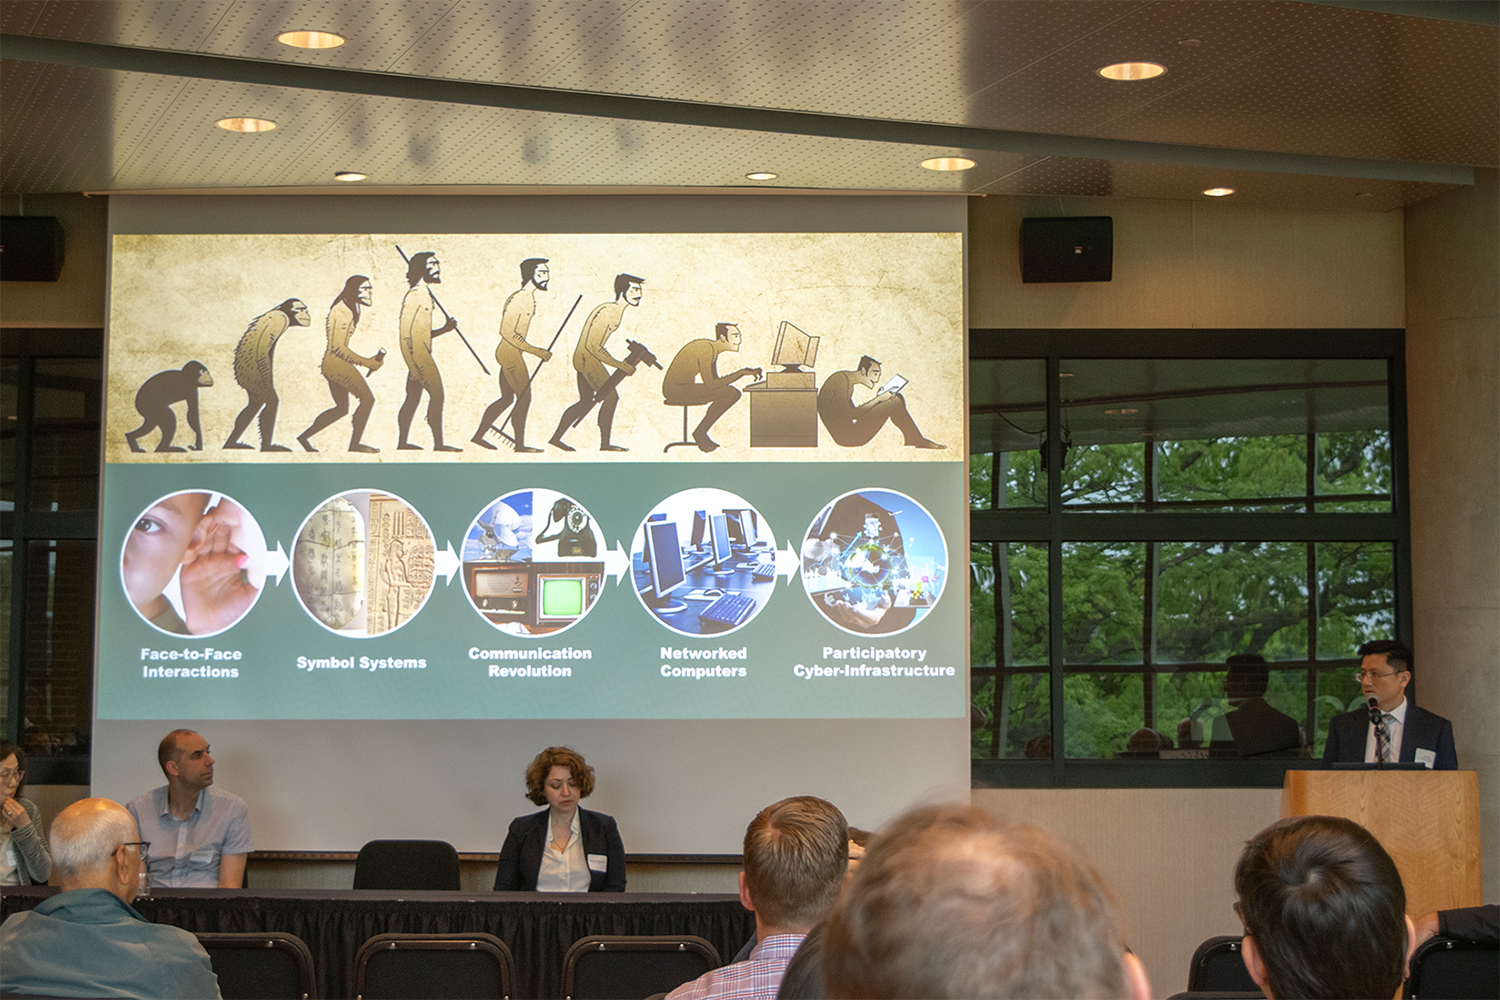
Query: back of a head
x=1324, y=904
x=952, y=902
x=796, y=854
x=84, y=836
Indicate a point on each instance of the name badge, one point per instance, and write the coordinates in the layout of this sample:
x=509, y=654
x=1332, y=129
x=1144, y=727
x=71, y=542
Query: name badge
x=598, y=862
x=1428, y=757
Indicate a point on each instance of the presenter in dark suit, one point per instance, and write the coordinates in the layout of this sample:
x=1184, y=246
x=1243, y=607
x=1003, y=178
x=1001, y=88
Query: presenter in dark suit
x=1384, y=671
x=562, y=848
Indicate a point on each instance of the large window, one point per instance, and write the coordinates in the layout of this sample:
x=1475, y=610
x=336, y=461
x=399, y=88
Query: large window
x=51, y=383
x=1179, y=539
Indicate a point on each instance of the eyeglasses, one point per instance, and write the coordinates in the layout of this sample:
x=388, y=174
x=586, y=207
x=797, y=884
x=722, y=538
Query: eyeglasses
x=11, y=772
x=143, y=845
x=1360, y=675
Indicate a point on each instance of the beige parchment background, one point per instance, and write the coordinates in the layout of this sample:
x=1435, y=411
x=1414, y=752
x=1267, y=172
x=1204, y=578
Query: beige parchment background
x=895, y=296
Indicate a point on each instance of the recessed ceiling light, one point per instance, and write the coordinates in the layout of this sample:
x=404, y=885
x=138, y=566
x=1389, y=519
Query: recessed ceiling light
x=948, y=163
x=1364, y=194
x=349, y=175
x=1064, y=374
x=1218, y=192
x=245, y=124
x=761, y=175
x=1132, y=71
x=310, y=39
x=1190, y=43
x=1123, y=412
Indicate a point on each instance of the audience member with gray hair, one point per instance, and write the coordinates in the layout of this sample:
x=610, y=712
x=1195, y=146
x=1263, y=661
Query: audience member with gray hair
x=952, y=902
x=87, y=940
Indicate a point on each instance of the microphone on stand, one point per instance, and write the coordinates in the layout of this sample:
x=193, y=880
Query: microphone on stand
x=1375, y=712
x=1376, y=717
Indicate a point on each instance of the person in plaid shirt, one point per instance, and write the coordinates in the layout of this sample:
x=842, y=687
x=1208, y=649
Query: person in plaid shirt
x=796, y=853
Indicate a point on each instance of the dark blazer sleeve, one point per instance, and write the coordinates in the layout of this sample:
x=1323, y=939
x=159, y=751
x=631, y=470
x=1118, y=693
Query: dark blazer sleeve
x=1427, y=731
x=601, y=835
x=1472, y=923
x=1341, y=745
x=521, y=857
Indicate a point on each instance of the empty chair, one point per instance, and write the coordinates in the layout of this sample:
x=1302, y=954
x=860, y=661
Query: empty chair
x=601, y=966
x=433, y=966
x=260, y=965
x=1457, y=970
x=406, y=864
x=1218, y=966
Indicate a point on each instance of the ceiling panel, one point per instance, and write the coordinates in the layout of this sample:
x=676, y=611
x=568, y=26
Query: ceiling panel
x=1266, y=75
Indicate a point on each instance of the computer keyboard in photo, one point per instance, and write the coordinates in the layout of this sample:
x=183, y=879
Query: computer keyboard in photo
x=731, y=610
x=763, y=571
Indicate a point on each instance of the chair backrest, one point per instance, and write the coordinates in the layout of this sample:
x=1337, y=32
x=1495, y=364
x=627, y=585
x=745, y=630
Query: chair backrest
x=261, y=965
x=612, y=966
x=433, y=967
x=406, y=864
x=1218, y=995
x=1218, y=966
x=1444, y=967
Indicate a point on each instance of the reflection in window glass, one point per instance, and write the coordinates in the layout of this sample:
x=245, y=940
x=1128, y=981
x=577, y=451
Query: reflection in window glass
x=9, y=373
x=1014, y=719
x=1354, y=466
x=58, y=700
x=1104, y=474
x=1356, y=596
x=1102, y=716
x=1103, y=601
x=1192, y=706
x=1008, y=594
x=1214, y=599
x=65, y=434
x=1220, y=470
x=1007, y=431
x=7, y=567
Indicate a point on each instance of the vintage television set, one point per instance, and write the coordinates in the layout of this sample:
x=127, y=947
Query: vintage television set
x=563, y=592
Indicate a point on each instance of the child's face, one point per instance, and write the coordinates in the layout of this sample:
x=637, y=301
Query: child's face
x=157, y=544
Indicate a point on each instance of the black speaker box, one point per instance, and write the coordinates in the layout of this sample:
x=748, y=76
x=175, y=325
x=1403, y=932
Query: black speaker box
x=1072, y=249
x=31, y=248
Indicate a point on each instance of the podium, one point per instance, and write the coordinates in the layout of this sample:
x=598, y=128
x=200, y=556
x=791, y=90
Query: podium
x=1428, y=821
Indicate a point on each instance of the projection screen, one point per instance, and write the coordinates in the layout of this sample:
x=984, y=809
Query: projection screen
x=400, y=490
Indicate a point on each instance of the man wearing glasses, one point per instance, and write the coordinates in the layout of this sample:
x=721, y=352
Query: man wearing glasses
x=1403, y=732
x=201, y=833
x=88, y=940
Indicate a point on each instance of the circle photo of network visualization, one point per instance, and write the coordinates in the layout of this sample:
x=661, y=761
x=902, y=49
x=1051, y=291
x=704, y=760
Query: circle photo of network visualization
x=363, y=563
x=194, y=563
x=874, y=562
x=703, y=562
x=532, y=562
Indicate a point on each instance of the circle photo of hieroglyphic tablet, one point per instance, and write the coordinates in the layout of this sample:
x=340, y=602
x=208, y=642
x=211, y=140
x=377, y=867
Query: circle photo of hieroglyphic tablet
x=193, y=563
x=362, y=564
x=532, y=562
x=874, y=562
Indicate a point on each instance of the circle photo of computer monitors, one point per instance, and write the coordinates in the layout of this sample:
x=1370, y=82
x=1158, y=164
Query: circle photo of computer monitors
x=362, y=564
x=874, y=562
x=703, y=562
x=193, y=563
x=533, y=562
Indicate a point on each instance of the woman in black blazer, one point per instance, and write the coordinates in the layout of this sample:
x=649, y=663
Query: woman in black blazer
x=562, y=848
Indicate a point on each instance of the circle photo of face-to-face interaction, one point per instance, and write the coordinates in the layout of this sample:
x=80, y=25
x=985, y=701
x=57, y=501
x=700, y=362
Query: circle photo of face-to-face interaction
x=194, y=563
x=532, y=562
x=362, y=564
x=704, y=562
x=874, y=562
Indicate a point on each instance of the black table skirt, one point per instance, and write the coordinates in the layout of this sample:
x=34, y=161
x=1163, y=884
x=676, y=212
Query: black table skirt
x=538, y=927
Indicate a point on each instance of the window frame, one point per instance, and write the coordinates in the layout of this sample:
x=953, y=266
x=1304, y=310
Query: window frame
x=23, y=526
x=1054, y=525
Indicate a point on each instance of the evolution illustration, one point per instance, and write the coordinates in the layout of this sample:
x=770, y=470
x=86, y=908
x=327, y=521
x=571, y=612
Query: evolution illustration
x=533, y=562
x=564, y=371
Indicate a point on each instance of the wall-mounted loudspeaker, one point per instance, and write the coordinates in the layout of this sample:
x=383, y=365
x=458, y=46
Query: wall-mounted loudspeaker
x=1072, y=249
x=31, y=248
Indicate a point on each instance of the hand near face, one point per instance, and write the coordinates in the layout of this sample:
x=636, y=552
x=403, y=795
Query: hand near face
x=15, y=814
x=215, y=594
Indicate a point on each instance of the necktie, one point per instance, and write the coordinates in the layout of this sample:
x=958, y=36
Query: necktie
x=1383, y=738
